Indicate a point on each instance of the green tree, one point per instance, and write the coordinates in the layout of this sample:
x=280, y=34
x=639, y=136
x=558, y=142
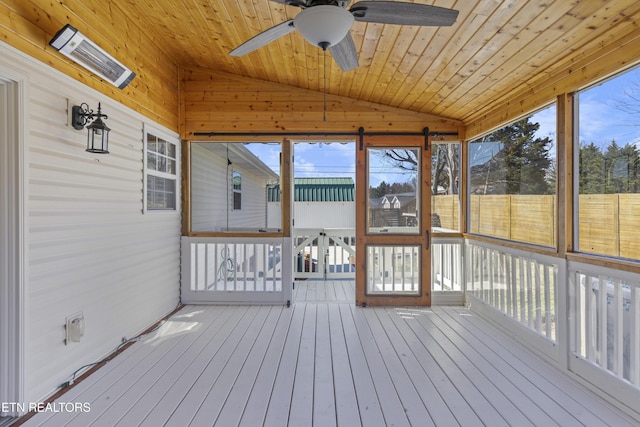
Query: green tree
x=632, y=162
x=552, y=177
x=379, y=191
x=520, y=167
x=620, y=169
x=614, y=169
x=591, y=169
x=396, y=188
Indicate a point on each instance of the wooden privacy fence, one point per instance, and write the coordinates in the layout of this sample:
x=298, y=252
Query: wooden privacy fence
x=524, y=218
x=608, y=223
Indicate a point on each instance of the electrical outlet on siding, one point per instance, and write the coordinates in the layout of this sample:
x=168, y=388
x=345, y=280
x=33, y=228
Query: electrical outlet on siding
x=74, y=328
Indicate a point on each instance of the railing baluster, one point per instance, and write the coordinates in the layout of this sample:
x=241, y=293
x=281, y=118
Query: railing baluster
x=445, y=266
x=492, y=290
x=547, y=301
x=508, y=283
x=537, y=297
x=521, y=290
x=634, y=336
x=202, y=263
x=581, y=303
x=530, y=299
x=392, y=282
x=602, y=324
x=590, y=318
x=497, y=259
x=194, y=267
x=618, y=329
x=481, y=260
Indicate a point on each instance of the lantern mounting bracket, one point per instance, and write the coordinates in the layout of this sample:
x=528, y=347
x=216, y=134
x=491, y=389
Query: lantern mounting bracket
x=82, y=114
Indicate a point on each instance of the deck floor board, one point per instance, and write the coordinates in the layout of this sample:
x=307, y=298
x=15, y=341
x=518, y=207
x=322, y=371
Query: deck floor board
x=325, y=362
x=546, y=378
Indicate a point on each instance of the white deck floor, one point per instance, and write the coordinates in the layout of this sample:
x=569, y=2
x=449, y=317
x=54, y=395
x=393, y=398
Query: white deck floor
x=325, y=362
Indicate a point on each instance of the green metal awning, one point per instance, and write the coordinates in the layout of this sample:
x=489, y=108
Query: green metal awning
x=318, y=190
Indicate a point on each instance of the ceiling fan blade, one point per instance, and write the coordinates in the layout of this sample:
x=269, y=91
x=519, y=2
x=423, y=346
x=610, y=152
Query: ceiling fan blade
x=345, y=54
x=403, y=13
x=297, y=3
x=264, y=38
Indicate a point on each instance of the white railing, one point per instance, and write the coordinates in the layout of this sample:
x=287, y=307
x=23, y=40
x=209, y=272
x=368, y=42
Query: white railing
x=584, y=318
x=393, y=270
x=250, y=270
x=520, y=284
x=330, y=253
x=446, y=265
x=324, y=253
x=605, y=320
x=447, y=275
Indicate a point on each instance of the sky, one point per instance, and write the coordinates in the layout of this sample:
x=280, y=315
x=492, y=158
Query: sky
x=601, y=121
x=333, y=159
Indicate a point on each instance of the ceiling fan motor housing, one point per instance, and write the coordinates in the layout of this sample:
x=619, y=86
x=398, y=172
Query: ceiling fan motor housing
x=324, y=25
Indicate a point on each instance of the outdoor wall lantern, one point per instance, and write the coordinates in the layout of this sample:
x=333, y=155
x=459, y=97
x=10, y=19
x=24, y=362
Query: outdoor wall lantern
x=97, y=131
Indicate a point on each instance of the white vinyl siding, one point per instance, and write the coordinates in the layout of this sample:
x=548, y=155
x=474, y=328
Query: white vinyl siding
x=212, y=195
x=316, y=214
x=90, y=248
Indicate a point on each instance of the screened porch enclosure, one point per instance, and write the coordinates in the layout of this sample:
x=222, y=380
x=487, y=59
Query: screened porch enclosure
x=581, y=317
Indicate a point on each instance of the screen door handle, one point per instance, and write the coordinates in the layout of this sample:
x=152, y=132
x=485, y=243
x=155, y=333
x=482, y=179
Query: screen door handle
x=428, y=239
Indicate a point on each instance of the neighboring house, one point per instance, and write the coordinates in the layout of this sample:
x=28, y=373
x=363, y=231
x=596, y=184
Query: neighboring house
x=228, y=184
x=318, y=203
x=393, y=210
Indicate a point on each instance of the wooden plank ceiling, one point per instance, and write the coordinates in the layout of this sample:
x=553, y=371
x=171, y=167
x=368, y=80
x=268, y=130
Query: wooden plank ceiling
x=496, y=48
x=496, y=51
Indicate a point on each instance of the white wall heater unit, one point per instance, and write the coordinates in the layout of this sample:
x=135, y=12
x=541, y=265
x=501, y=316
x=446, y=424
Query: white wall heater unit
x=73, y=44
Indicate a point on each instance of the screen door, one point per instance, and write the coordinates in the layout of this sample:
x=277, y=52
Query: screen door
x=393, y=207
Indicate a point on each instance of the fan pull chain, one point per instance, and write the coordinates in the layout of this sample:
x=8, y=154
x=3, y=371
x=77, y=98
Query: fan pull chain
x=324, y=71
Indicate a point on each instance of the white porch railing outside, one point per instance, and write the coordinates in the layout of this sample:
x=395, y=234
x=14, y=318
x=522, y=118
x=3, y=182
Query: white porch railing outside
x=249, y=270
x=324, y=253
x=330, y=253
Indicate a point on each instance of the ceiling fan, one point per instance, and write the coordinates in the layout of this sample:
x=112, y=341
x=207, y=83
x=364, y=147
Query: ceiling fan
x=326, y=24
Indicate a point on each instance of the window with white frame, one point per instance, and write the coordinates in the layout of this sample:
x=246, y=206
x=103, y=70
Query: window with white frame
x=161, y=171
x=237, y=191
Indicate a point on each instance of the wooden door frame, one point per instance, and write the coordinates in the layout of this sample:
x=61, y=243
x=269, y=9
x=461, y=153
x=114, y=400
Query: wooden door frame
x=363, y=239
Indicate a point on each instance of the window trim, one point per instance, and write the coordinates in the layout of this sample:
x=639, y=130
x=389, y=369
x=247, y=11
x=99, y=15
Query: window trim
x=149, y=129
x=467, y=180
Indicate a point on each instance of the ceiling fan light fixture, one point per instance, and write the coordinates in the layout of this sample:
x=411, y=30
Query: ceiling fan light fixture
x=324, y=25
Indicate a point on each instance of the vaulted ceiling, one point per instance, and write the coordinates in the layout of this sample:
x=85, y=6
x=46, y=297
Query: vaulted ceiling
x=496, y=51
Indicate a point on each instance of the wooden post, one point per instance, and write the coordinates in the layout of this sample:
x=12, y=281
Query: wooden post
x=564, y=178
